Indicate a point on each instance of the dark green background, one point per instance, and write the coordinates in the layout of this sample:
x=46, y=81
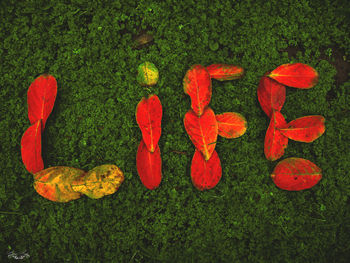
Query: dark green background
x=88, y=47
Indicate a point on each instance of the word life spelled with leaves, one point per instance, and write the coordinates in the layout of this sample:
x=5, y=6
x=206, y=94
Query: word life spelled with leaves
x=63, y=184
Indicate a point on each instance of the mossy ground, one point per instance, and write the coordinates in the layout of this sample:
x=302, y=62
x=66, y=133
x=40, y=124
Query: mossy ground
x=245, y=218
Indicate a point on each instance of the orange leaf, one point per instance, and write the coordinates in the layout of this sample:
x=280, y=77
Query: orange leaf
x=203, y=131
x=297, y=75
x=197, y=84
x=205, y=174
x=231, y=124
x=31, y=148
x=294, y=174
x=41, y=97
x=275, y=141
x=149, y=166
x=149, y=118
x=225, y=72
x=271, y=95
x=304, y=129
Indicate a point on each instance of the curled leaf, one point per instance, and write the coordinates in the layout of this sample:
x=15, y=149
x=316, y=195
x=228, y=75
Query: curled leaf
x=271, y=95
x=304, y=129
x=149, y=166
x=297, y=75
x=41, y=97
x=275, y=141
x=54, y=183
x=147, y=74
x=149, y=118
x=203, y=131
x=99, y=181
x=295, y=174
x=205, y=174
x=31, y=148
x=231, y=124
x=197, y=84
x=223, y=72
x=142, y=39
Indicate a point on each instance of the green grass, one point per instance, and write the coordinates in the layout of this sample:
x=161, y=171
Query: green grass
x=245, y=218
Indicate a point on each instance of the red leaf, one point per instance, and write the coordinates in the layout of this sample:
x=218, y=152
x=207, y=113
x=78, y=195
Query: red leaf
x=231, y=124
x=205, y=174
x=149, y=166
x=294, y=174
x=149, y=118
x=41, y=98
x=225, y=72
x=304, y=129
x=275, y=141
x=197, y=84
x=271, y=95
x=31, y=148
x=203, y=131
x=297, y=75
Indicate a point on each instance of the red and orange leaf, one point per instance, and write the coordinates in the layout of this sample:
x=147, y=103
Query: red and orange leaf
x=275, y=141
x=225, y=71
x=295, y=174
x=149, y=118
x=205, y=174
x=149, y=166
x=203, y=131
x=41, y=97
x=297, y=75
x=197, y=84
x=231, y=124
x=31, y=148
x=55, y=183
x=271, y=95
x=304, y=129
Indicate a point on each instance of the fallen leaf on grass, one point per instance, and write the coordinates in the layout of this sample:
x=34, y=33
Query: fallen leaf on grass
x=295, y=174
x=231, y=124
x=304, y=129
x=297, y=75
x=223, y=72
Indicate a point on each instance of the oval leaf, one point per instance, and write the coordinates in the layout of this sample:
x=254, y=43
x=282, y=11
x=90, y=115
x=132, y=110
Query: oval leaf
x=271, y=95
x=54, y=183
x=31, y=148
x=225, y=71
x=304, y=129
x=275, y=141
x=295, y=174
x=203, y=131
x=197, y=84
x=147, y=74
x=41, y=97
x=231, y=124
x=99, y=181
x=297, y=75
x=149, y=118
x=149, y=166
x=205, y=174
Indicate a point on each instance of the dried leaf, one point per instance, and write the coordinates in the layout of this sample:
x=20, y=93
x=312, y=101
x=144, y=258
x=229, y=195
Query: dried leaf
x=41, y=98
x=31, y=148
x=205, y=174
x=203, y=131
x=197, y=84
x=295, y=174
x=149, y=166
x=54, y=183
x=142, y=39
x=149, y=117
x=223, y=72
x=275, y=141
x=231, y=124
x=304, y=129
x=99, y=181
x=297, y=75
x=271, y=95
